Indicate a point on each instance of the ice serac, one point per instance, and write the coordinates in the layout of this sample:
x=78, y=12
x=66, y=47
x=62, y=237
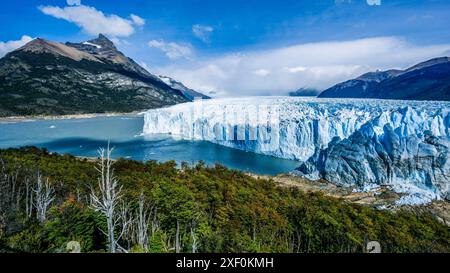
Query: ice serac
x=359, y=142
x=406, y=148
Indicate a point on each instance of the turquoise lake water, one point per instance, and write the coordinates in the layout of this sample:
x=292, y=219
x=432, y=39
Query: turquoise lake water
x=82, y=137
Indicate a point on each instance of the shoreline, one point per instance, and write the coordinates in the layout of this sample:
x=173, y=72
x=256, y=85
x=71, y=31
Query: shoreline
x=15, y=119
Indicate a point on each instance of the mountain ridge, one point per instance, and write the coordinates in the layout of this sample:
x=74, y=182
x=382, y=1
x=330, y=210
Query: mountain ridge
x=51, y=78
x=187, y=92
x=428, y=80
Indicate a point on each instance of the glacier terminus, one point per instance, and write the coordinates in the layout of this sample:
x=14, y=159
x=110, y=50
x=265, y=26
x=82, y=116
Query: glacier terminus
x=364, y=143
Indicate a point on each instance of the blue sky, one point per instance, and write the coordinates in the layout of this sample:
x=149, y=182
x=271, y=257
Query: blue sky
x=220, y=46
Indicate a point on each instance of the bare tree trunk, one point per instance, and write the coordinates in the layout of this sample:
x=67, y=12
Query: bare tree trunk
x=177, y=238
x=299, y=240
x=125, y=220
x=30, y=212
x=13, y=190
x=78, y=195
x=194, y=238
x=19, y=197
x=142, y=223
x=27, y=197
x=155, y=222
x=111, y=238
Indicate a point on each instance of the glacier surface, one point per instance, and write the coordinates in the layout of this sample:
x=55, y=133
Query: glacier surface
x=350, y=142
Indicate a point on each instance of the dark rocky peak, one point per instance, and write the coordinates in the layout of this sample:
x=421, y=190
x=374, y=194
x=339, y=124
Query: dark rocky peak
x=103, y=42
x=105, y=50
x=99, y=46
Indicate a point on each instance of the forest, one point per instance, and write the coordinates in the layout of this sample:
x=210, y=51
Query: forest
x=55, y=203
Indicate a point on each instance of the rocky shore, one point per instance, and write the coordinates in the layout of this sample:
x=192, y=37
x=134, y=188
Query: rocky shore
x=14, y=119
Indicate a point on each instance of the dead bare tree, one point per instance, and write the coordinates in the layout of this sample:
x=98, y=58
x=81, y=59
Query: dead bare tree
x=13, y=178
x=78, y=195
x=155, y=220
x=142, y=219
x=194, y=244
x=8, y=192
x=28, y=197
x=44, y=197
x=124, y=220
x=177, y=239
x=4, y=191
x=106, y=202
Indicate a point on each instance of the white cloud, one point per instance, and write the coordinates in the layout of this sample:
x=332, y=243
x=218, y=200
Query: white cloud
x=314, y=65
x=261, y=72
x=73, y=2
x=202, y=32
x=8, y=46
x=93, y=21
x=171, y=49
x=119, y=42
x=138, y=21
x=296, y=69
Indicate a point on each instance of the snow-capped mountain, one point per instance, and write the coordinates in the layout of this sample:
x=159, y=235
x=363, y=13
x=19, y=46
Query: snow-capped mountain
x=187, y=92
x=405, y=144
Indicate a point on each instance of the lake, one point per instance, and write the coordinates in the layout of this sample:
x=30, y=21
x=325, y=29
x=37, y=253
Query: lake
x=82, y=137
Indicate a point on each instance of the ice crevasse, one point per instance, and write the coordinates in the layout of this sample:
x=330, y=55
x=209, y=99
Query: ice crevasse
x=360, y=142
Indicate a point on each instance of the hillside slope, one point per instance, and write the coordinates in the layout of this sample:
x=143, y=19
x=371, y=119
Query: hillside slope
x=226, y=210
x=429, y=80
x=50, y=78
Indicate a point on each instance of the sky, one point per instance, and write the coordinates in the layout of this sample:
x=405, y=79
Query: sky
x=241, y=48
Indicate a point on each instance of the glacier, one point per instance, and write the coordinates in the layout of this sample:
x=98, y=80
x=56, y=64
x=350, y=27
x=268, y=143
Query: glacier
x=350, y=142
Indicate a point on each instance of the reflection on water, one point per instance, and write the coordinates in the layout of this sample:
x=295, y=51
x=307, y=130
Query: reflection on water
x=82, y=137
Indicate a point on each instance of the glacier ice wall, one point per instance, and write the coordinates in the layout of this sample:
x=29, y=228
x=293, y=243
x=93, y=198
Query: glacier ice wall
x=348, y=142
x=401, y=147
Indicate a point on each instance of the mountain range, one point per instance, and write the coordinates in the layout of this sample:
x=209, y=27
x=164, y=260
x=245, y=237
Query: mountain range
x=428, y=80
x=51, y=78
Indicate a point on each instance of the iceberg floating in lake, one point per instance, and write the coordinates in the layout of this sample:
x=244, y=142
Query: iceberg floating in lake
x=346, y=141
